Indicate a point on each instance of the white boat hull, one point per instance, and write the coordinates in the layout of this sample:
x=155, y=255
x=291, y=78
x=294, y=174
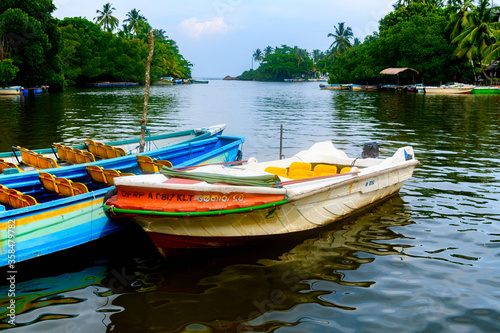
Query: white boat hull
x=448, y=90
x=306, y=213
x=301, y=206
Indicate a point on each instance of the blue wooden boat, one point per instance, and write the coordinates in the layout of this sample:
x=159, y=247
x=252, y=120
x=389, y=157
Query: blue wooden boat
x=19, y=160
x=54, y=222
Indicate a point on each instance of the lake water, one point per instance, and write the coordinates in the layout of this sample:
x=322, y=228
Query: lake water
x=426, y=260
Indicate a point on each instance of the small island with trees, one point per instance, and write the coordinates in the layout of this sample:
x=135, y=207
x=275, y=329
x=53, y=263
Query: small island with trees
x=36, y=48
x=453, y=40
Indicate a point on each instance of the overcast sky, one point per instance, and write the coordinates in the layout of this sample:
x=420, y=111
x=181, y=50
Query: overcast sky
x=220, y=36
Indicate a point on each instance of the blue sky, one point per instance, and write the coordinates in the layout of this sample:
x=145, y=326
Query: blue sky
x=220, y=36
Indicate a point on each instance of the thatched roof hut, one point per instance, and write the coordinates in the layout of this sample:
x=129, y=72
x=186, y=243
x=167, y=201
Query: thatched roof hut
x=397, y=71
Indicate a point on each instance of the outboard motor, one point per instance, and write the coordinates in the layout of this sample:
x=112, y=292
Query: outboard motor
x=370, y=150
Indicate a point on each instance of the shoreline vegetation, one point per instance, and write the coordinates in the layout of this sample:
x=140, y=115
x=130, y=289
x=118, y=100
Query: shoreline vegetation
x=457, y=40
x=36, y=48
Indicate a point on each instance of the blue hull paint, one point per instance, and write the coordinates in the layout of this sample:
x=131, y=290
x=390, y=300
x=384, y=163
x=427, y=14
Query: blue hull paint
x=48, y=234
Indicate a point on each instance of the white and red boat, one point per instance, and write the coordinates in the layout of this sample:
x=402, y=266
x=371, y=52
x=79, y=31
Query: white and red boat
x=216, y=206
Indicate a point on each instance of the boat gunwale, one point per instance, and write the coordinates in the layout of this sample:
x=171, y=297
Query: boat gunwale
x=205, y=133
x=236, y=141
x=355, y=178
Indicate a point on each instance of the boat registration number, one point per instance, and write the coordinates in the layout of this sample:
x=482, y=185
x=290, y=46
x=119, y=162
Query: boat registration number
x=182, y=196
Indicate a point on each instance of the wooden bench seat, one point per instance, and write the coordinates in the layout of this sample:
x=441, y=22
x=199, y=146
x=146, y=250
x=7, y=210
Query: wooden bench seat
x=15, y=199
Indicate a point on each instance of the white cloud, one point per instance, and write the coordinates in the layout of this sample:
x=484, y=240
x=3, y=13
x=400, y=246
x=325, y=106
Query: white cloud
x=195, y=29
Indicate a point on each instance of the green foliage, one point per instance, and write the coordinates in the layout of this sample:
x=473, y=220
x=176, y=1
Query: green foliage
x=8, y=72
x=90, y=54
x=31, y=39
x=412, y=36
x=284, y=63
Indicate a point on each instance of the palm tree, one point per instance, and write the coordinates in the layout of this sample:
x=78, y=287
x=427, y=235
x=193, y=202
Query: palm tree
x=317, y=55
x=105, y=19
x=342, y=38
x=301, y=54
x=257, y=56
x=478, y=37
x=135, y=21
x=159, y=34
x=267, y=51
x=457, y=19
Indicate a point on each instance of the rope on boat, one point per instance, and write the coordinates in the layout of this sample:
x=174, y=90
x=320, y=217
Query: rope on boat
x=148, y=132
x=113, y=210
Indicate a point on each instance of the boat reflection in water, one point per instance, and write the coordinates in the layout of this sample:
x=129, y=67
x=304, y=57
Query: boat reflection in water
x=269, y=280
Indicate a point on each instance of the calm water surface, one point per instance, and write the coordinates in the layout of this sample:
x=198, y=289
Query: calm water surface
x=424, y=261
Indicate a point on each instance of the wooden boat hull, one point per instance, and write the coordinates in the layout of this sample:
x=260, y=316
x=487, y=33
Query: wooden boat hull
x=447, y=90
x=292, y=209
x=11, y=91
x=334, y=86
x=67, y=222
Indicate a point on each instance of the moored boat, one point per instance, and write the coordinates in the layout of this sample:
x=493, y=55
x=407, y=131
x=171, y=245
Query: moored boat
x=447, y=89
x=198, y=81
x=21, y=159
x=330, y=86
x=357, y=87
x=493, y=90
x=15, y=90
x=61, y=207
x=224, y=206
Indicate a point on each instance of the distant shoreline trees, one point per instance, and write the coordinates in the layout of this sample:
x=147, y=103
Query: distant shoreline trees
x=444, y=40
x=37, y=49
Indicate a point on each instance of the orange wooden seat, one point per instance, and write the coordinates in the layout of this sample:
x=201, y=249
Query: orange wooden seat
x=8, y=165
x=15, y=199
x=110, y=175
x=48, y=182
x=96, y=173
x=45, y=162
x=146, y=164
x=65, y=187
x=163, y=163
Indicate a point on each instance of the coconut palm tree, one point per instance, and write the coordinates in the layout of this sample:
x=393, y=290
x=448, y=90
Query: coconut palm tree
x=267, y=51
x=456, y=21
x=135, y=21
x=257, y=56
x=105, y=19
x=159, y=34
x=342, y=38
x=479, y=35
x=301, y=54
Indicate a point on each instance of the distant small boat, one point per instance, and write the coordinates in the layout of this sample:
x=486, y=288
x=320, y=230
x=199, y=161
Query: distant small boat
x=357, y=87
x=334, y=86
x=330, y=86
x=373, y=87
x=452, y=88
x=113, y=84
x=198, y=81
x=15, y=90
x=485, y=91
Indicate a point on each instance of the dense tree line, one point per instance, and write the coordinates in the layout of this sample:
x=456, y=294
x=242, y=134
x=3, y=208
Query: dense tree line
x=36, y=48
x=280, y=63
x=443, y=40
